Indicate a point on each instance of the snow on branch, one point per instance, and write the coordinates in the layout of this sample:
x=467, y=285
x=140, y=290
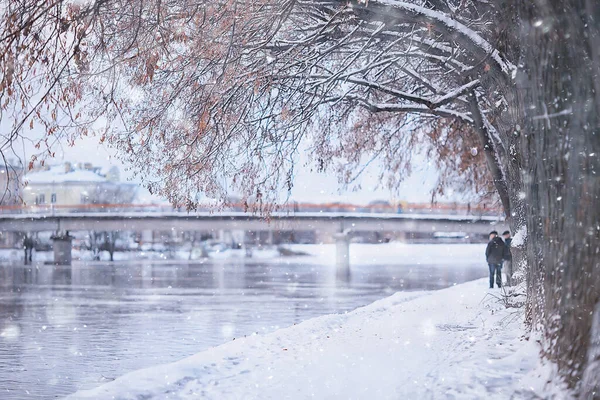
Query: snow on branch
x=429, y=103
x=232, y=104
x=447, y=98
x=445, y=24
x=401, y=108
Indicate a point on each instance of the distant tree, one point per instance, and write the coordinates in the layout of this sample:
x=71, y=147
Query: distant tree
x=112, y=193
x=94, y=240
x=110, y=243
x=102, y=241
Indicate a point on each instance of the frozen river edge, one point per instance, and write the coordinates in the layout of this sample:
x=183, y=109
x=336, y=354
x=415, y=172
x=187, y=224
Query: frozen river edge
x=459, y=342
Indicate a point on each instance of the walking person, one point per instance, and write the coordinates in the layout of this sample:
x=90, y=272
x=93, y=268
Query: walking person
x=507, y=258
x=494, y=254
x=28, y=247
x=25, y=244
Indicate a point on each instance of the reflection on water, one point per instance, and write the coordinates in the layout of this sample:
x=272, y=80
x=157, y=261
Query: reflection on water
x=69, y=328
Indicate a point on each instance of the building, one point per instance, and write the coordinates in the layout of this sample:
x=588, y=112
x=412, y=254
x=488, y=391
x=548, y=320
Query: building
x=78, y=184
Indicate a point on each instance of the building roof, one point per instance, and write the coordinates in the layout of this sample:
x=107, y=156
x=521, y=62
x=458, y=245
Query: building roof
x=60, y=174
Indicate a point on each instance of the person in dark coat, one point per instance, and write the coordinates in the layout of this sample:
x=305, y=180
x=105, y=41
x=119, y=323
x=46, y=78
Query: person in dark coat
x=494, y=255
x=507, y=258
x=28, y=244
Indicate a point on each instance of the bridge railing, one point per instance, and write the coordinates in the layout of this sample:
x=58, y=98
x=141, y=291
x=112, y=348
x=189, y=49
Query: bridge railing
x=403, y=208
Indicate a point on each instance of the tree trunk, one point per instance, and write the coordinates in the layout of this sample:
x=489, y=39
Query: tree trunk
x=559, y=93
x=591, y=387
x=492, y=157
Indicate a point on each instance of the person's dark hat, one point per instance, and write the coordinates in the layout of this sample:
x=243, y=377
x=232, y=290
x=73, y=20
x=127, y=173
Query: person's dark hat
x=506, y=233
x=494, y=233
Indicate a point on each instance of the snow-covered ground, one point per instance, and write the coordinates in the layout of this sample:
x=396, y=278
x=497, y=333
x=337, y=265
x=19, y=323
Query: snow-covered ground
x=456, y=343
x=398, y=253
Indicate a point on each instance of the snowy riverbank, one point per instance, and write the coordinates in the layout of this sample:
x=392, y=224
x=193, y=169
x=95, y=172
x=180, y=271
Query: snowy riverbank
x=459, y=342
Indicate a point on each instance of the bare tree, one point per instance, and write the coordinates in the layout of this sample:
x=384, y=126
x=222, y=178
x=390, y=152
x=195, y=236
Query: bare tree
x=109, y=193
x=104, y=240
x=184, y=106
x=94, y=244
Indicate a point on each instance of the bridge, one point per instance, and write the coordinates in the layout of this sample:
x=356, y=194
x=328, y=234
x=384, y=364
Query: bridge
x=332, y=222
x=339, y=226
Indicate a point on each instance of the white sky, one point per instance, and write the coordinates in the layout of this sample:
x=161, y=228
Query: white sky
x=308, y=186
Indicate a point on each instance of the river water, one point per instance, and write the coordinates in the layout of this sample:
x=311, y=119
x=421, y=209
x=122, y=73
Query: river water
x=68, y=328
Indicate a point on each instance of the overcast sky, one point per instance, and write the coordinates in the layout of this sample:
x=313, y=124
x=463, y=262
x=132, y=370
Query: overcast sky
x=308, y=186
